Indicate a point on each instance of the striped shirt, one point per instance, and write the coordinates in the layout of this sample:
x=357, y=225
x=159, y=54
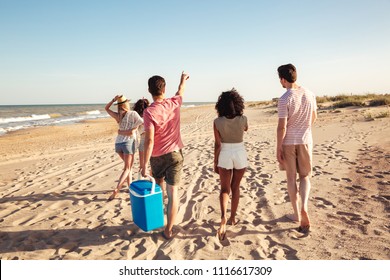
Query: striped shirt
x=129, y=121
x=297, y=105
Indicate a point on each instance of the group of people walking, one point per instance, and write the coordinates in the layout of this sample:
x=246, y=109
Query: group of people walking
x=155, y=130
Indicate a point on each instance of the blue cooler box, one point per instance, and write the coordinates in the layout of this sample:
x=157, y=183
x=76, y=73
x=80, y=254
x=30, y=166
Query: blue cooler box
x=147, y=204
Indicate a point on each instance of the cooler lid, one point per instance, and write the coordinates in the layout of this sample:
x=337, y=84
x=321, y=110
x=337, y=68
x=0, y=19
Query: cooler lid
x=143, y=187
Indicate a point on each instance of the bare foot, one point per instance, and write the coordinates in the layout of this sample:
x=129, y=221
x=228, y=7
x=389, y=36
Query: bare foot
x=292, y=218
x=305, y=221
x=168, y=234
x=113, y=195
x=222, y=230
x=232, y=221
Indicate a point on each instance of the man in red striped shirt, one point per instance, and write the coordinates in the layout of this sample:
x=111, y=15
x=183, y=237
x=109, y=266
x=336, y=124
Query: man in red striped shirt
x=297, y=111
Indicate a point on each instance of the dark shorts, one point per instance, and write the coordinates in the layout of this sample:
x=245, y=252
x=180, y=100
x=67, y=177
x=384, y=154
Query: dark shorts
x=168, y=166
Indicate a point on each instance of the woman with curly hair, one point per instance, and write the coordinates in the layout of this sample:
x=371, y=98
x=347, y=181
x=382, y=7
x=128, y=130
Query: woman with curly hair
x=139, y=107
x=230, y=158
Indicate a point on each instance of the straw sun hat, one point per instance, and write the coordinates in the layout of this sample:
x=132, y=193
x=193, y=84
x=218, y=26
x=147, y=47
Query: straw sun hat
x=121, y=99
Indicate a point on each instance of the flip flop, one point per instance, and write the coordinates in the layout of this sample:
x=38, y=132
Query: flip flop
x=174, y=233
x=164, y=236
x=113, y=195
x=304, y=229
x=221, y=236
x=231, y=224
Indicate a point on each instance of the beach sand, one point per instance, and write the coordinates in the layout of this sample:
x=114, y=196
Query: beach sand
x=55, y=182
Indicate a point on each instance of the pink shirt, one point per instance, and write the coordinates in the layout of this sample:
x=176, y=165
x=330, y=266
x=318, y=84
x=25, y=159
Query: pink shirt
x=164, y=117
x=297, y=105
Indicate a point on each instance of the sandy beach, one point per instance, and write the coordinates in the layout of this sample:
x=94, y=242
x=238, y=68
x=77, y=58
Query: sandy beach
x=55, y=181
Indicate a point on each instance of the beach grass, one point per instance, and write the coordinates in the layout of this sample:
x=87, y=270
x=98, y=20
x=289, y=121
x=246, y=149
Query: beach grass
x=344, y=100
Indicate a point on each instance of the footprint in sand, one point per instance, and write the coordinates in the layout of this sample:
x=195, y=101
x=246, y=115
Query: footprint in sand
x=323, y=203
x=358, y=187
x=384, y=183
x=347, y=180
x=385, y=198
x=352, y=218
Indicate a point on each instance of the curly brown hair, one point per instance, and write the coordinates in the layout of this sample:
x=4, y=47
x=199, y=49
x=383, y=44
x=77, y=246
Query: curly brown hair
x=140, y=106
x=230, y=104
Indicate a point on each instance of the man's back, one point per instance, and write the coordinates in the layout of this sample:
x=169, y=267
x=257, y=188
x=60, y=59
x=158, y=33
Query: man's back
x=164, y=116
x=297, y=105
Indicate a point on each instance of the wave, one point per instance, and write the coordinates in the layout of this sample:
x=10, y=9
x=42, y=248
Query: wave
x=24, y=119
x=95, y=112
x=10, y=124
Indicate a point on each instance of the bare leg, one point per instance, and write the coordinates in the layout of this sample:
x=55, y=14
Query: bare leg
x=172, y=208
x=225, y=177
x=128, y=161
x=304, y=190
x=161, y=183
x=130, y=176
x=292, y=188
x=235, y=187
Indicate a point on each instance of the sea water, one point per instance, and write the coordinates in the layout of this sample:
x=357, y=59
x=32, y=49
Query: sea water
x=16, y=117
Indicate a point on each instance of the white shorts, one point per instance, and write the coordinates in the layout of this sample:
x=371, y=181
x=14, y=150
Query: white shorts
x=233, y=156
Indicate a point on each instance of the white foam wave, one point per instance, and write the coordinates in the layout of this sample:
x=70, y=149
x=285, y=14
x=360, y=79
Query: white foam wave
x=95, y=112
x=24, y=119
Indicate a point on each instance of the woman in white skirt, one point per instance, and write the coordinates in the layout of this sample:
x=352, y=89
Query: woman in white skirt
x=230, y=158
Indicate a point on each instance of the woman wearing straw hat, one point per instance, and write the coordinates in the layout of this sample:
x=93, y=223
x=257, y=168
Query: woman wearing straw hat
x=125, y=143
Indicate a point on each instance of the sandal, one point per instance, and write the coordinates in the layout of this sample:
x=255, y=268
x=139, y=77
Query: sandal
x=172, y=235
x=221, y=234
x=304, y=229
x=113, y=195
x=230, y=222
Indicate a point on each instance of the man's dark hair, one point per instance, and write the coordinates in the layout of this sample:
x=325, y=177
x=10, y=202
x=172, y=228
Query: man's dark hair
x=230, y=104
x=156, y=85
x=288, y=72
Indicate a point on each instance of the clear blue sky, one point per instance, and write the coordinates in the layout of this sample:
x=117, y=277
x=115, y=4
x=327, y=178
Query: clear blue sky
x=87, y=51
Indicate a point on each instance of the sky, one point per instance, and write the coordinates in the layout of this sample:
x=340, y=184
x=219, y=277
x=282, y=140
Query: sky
x=86, y=52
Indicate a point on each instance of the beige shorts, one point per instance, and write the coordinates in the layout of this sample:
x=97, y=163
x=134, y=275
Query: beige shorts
x=297, y=159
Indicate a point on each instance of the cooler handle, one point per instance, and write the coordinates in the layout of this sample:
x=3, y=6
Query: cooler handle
x=151, y=179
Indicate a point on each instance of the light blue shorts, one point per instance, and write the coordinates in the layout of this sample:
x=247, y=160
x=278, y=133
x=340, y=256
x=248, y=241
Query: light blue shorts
x=125, y=147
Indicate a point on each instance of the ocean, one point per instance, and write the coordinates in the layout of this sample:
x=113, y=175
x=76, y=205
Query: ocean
x=16, y=117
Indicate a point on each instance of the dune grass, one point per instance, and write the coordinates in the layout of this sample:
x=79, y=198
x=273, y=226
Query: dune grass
x=344, y=100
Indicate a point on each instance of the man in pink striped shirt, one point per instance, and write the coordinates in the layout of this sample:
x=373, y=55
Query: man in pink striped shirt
x=297, y=111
